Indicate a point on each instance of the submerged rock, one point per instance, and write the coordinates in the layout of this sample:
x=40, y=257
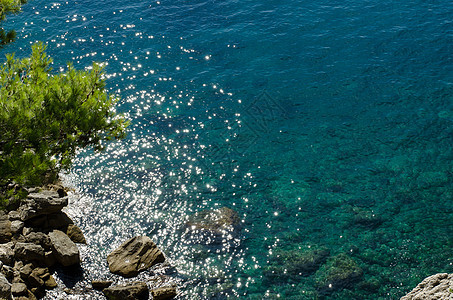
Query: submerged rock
x=130, y=291
x=66, y=252
x=213, y=225
x=438, y=286
x=366, y=217
x=340, y=271
x=296, y=262
x=133, y=256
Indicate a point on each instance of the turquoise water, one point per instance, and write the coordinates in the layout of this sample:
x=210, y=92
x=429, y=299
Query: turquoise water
x=324, y=124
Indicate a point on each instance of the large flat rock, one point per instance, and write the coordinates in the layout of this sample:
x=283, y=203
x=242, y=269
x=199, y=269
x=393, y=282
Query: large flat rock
x=65, y=250
x=133, y=256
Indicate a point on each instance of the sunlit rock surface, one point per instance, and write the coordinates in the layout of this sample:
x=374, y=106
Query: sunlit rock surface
x=135, y=255
x=435, y=287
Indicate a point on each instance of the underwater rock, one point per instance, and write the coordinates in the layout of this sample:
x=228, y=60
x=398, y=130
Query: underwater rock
x=130, y=291
x=296, y=262
x=133, y=256
x=365, y=217
x=438, y=286
x=213, y=225
x=340, y=271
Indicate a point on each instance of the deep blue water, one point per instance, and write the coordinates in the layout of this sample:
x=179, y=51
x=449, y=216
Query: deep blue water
x=323, y=124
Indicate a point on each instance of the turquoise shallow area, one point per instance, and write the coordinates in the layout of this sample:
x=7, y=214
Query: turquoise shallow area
x=324, y=124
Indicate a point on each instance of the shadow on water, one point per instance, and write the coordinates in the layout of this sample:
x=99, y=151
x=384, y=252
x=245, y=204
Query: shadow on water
x=70, y=275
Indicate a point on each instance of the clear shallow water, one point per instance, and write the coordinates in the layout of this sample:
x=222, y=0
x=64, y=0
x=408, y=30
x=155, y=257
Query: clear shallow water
x=323, y=124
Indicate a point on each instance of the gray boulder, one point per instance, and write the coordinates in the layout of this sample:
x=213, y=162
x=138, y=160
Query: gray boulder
x=438, y=286
x=19, y=289
x=130, y=291
x=8, y=271
x=101, y=284
x=164, y=293
x=13, y=215
x=75, y=234
x=50, y=282
x=5, y=230
x=7, y=253
x=58, y=220
x=25, y=271
x=133, y=256
x=42, y=203
x=66, y=252
x=38, y=238
x=5, y=288
x=29, y=252
x=17, y=226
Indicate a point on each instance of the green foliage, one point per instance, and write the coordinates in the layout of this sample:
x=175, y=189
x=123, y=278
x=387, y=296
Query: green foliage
x=8, y=7
x=45, y=118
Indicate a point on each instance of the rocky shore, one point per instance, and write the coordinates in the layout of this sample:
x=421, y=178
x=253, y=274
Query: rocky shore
x=36, y=237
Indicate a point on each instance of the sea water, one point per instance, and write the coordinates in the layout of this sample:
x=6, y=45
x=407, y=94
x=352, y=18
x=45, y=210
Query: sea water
x=324, y=125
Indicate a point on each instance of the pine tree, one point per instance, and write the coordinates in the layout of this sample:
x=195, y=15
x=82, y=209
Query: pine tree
x=45, y=117
x=8, y=7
